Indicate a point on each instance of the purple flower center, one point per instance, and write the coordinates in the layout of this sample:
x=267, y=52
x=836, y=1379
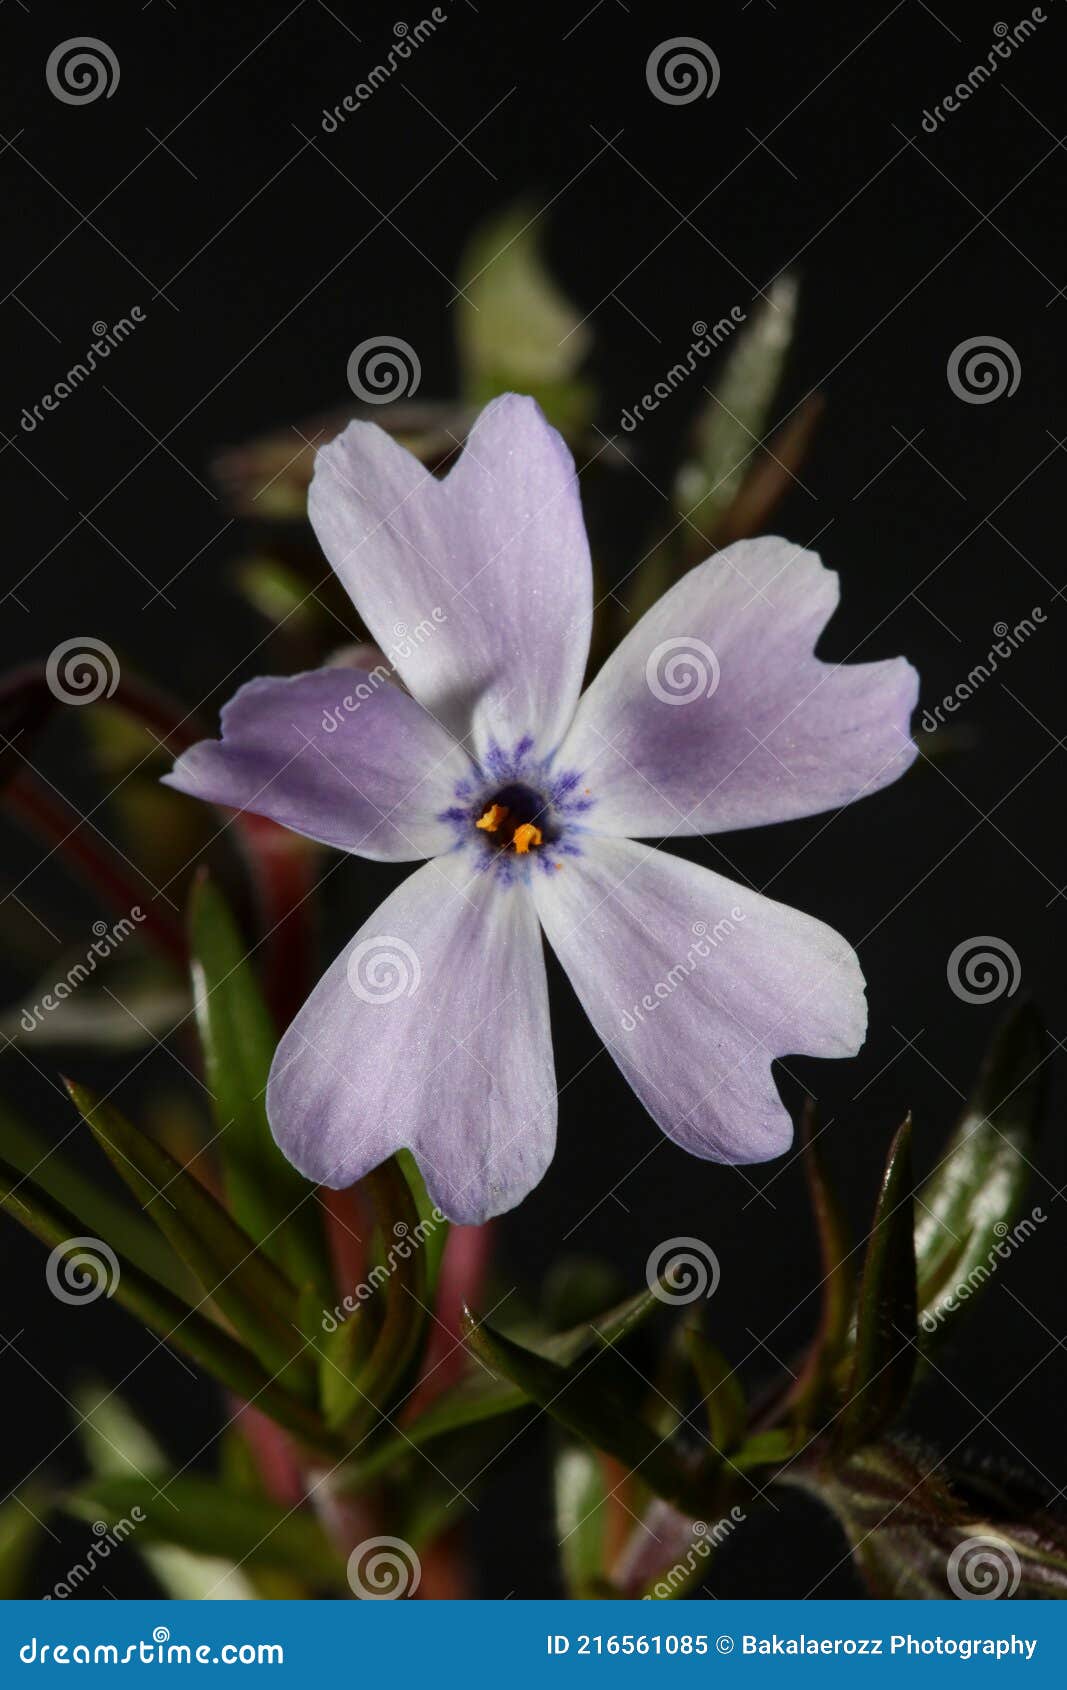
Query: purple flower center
x=516, y=811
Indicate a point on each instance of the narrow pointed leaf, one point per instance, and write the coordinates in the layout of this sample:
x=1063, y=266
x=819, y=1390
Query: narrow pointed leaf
x=967, y=1205
x=98, y=1212
x=484, y=1396
x=806, y=1396
x=432, y=1226
x=400, y=1279
x=238, y=1278
x=575, y=1397
x=885, y=1356
x=721, y=1389
x=268, y=1198
x=184, y=1328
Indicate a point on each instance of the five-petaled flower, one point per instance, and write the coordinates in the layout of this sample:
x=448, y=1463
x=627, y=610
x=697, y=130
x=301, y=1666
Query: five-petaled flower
x=431, y=1029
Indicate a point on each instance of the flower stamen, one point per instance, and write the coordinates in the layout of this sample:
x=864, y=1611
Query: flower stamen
x=494, y=818
x=525, y=836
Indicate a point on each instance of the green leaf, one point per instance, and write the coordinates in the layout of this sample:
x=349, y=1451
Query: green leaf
x=516, y=329
x=483, y=1396
x=183, y=1328
x=721, y=1389
x=729, y=429
x=239, y=1279
x=806, y=1397
x=21, y=1528
x=197, y=1514
x=886, y=1352
x=575, y=1396
x=966, y=1207
x=125, y=1228
x=273, y=1203
x=581, y=1520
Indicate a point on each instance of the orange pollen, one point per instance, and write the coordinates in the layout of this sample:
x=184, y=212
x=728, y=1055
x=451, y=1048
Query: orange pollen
x=494, y=817
x=524, y=837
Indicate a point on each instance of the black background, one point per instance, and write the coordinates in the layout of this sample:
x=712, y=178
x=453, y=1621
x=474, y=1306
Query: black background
x=262, y=250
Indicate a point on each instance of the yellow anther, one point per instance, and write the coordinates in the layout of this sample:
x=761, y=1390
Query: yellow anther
x=525, y=836
x=493, y=818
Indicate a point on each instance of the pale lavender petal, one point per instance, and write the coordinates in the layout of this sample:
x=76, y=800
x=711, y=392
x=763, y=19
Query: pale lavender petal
x=477, y=587
x=715, y=714
x=341, y=755
x=695, y=984
x=429, y=1031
